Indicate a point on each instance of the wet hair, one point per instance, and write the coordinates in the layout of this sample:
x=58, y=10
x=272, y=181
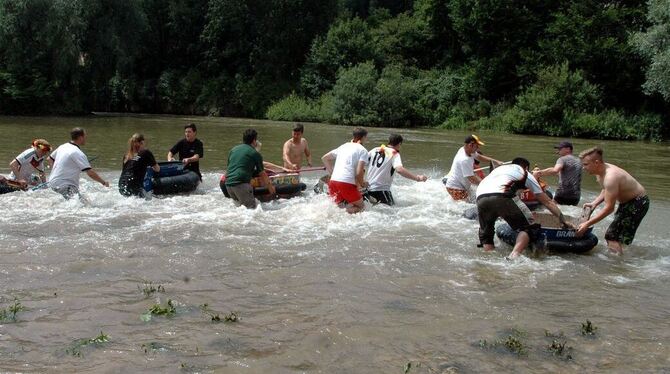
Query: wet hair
x=299, y=127
x=395, y=139
x=249, y=135
x=524, y=163
x=360, y=133
x=191, y=126
x=593, y=150
x=76, y=133
x=134, y=145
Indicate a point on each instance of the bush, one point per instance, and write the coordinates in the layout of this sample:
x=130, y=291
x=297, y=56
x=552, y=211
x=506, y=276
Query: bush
x=395, y=95
x=354, y=96
x=543, y=107
x=614, y=125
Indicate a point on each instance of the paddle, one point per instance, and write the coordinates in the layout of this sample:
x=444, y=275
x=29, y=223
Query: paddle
x=491, y=166
x=316, y=168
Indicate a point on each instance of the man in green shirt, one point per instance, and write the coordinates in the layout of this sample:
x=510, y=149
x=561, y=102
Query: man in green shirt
x=245, y=163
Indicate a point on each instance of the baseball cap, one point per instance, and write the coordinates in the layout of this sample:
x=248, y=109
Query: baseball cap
x=473, y=138
x=564, y=144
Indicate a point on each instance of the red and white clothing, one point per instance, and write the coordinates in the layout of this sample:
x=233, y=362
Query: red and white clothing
x=383, y=161
x=461, y=168
x=69, y=162
x=29, y=163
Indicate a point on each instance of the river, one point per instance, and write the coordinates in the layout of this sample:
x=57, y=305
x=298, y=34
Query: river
x=391, y=290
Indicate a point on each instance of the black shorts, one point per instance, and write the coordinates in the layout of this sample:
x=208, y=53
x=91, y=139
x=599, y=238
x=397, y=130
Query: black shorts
x=566, y=200
x=490, y=207
x=384, y=197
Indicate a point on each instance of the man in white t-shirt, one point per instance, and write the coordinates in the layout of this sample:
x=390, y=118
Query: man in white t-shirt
x=68, y=162
x=348, y=172
x=496, y=197
x=462, y=175
x=29, y=162
x=384, y=161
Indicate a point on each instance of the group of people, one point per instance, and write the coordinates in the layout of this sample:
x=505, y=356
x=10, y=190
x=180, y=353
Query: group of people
x=357, y=174
x=496, y=194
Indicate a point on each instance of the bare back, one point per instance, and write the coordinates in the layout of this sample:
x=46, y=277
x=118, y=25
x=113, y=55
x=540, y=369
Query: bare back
x=293, y=153
x=625, y=186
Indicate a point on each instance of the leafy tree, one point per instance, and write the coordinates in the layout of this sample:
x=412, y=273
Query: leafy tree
x=354, y=97
x=654, y=45
x=348, y=42
x=39, y=56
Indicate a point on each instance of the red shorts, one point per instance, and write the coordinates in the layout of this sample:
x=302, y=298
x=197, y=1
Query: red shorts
x=342, y=191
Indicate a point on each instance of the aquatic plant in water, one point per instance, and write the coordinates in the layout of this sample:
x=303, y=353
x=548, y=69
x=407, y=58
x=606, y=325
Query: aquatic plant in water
x=588, y=328
x=9, y=314
x=75, y=348
x=513, y=343
x=159, y=310
x=230, y=317
x=148, y=288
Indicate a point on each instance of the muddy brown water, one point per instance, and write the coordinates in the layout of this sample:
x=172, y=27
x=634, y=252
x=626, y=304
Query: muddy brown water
x=316, y=290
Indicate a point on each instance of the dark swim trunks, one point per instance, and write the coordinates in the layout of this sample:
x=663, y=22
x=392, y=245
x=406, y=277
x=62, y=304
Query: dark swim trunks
x=627, y=219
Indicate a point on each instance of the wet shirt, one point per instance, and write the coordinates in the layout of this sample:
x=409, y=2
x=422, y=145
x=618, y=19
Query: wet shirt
x=347, y=157
x=501, y=181
x=30, y=163
x=570, y=177
x=69, y=162
x=185, y=150
x=244, y=163
x=461, y=168
x=381, y=167
x=132, y=176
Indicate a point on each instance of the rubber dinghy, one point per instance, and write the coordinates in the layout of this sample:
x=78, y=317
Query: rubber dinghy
x=172, y=179
x=553, y=238
x=286, y=186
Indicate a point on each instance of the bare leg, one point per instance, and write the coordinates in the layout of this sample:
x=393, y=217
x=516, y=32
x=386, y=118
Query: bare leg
x=489, y=247
x=356, y=207
x=522, y=240
x=615, y=247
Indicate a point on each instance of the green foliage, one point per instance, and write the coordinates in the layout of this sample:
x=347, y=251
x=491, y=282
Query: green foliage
x=513, y=343
x=588, y=328
x=395, y=95
x=75, y=349
x=348, y=43
x=654, y=46
x=9, y=314
x=159, y=310
x=354, y=96
x=543, y=107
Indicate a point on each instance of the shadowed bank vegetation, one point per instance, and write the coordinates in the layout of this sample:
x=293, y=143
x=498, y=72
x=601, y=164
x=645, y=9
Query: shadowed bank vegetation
x=572, y=68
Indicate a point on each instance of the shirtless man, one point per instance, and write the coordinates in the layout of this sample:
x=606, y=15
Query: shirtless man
x=617, y=185
x=295, y=147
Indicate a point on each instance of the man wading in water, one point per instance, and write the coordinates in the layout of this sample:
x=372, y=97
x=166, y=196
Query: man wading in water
x=619, y=186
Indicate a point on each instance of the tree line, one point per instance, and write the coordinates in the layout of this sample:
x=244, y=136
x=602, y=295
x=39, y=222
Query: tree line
x=584, y=68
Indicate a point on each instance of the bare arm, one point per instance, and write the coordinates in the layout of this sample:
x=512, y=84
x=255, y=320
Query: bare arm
x=609, y=194
x=156, y=168
x=597, y=200
x=170, y=156
x=328, y=161
x=91, y=173
x=360, y=175
x=194, y=158
x=548, y=171
x=407, y=174
x=553, y=208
